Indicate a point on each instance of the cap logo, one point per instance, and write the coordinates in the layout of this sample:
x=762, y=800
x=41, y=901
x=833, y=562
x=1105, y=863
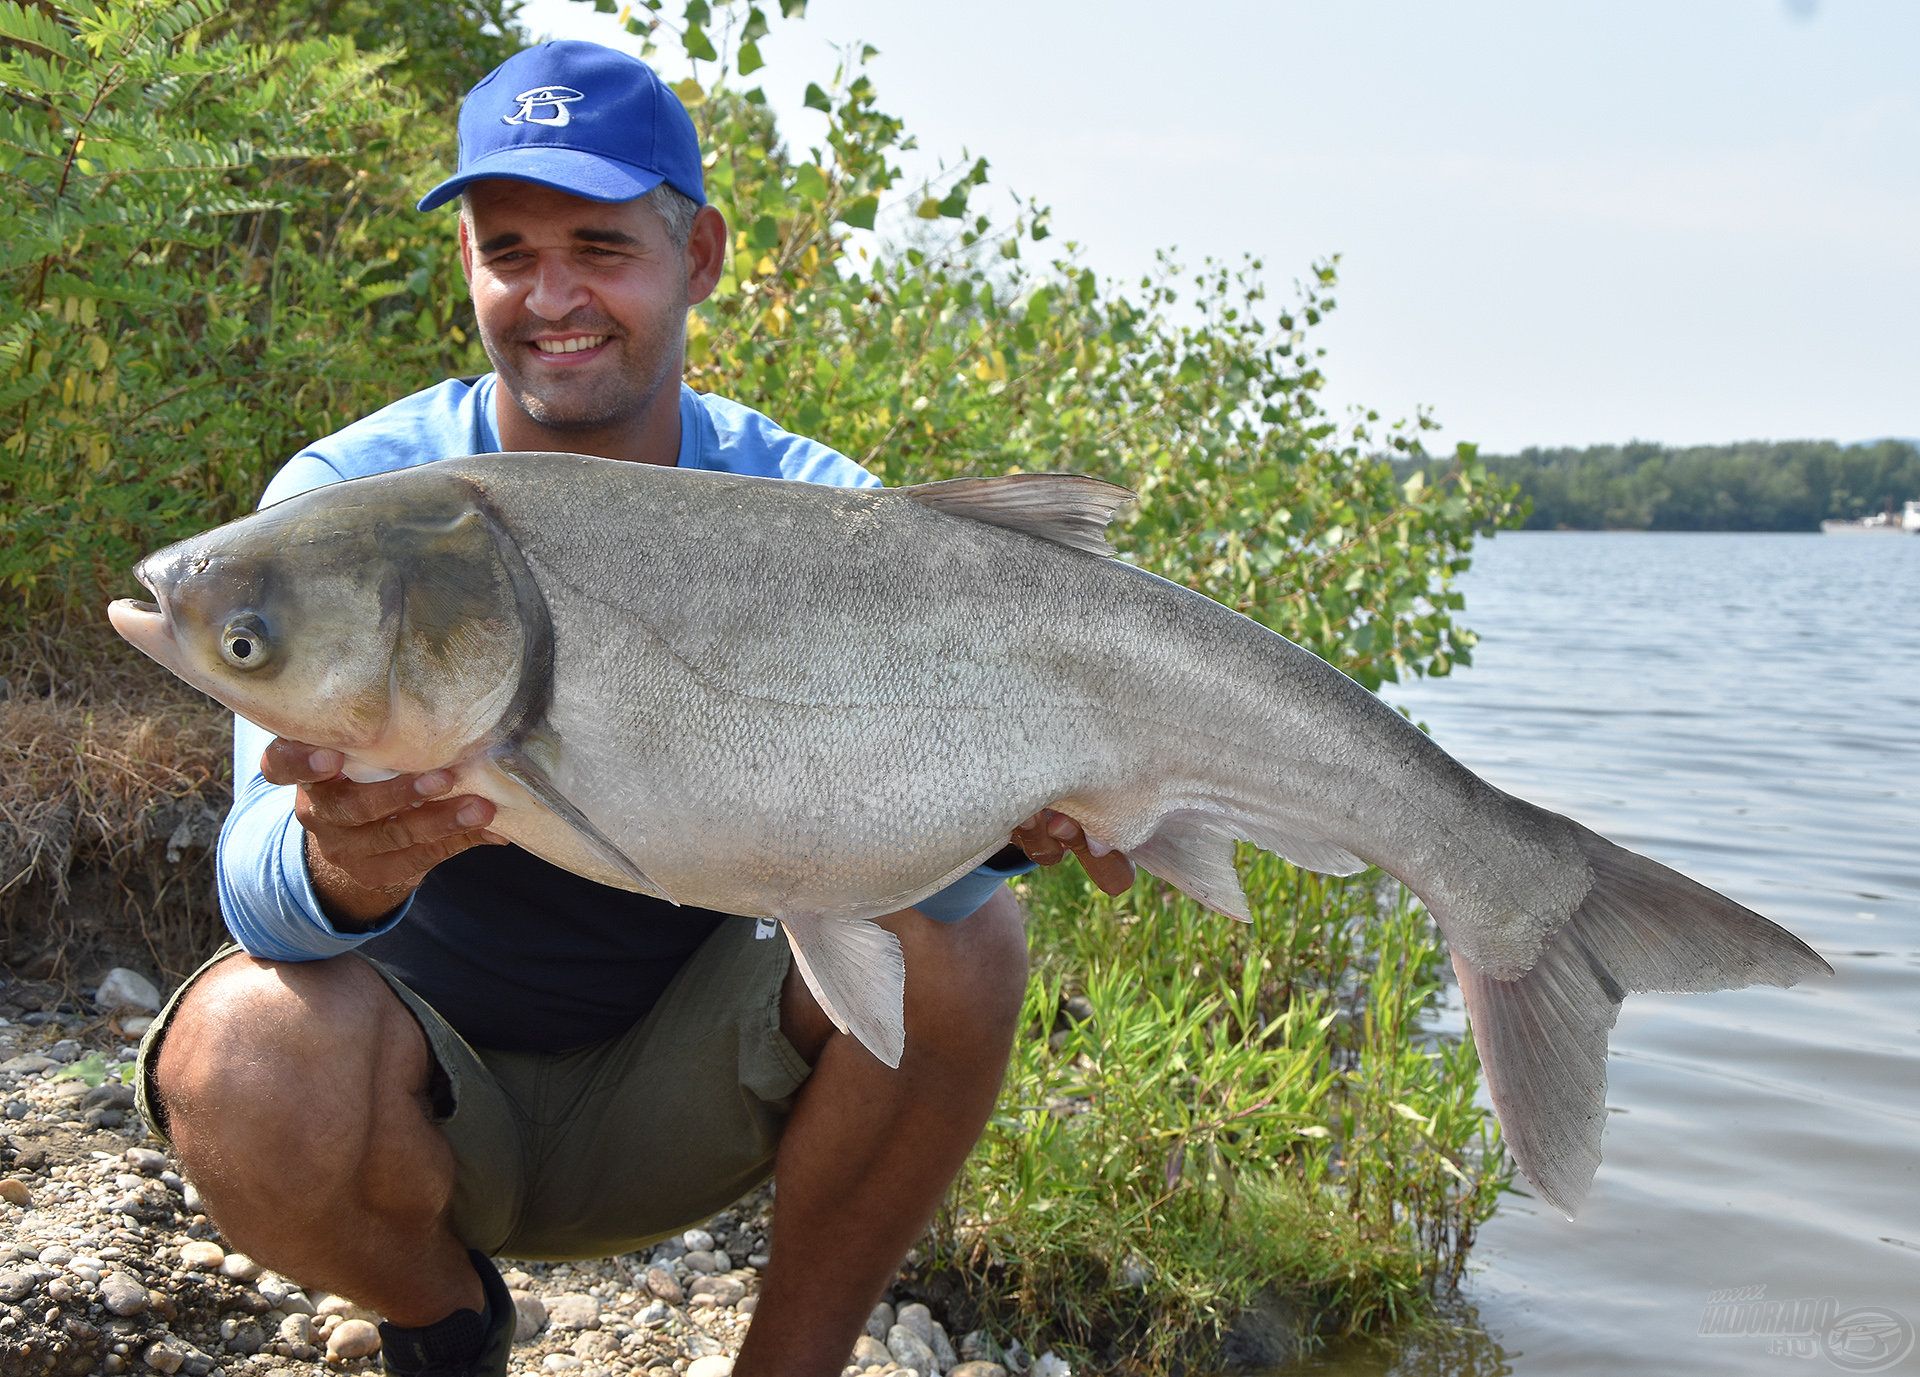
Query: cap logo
x=556, y=97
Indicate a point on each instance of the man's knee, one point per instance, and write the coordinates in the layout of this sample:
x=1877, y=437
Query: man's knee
x=259, y=1036
x=972, y=974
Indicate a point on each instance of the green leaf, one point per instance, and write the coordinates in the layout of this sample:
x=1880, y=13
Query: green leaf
x=816, y=99
x=699, y=47
x=860, y=213
x=810, y=183
x=765, y=233
x=793, y=9
x=750, y=59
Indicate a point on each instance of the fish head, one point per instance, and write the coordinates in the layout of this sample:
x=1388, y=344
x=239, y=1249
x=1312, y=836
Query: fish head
x=369, y=619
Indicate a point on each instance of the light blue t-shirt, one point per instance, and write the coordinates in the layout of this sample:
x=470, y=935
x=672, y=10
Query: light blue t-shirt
x=265, y=893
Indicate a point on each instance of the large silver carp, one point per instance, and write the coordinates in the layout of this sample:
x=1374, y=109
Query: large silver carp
x=823, y=704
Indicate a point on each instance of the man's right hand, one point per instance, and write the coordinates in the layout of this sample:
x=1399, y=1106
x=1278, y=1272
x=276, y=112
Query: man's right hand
x=368, y=846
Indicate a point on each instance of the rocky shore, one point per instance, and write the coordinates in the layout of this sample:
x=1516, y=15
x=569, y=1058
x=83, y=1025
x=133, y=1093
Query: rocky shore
x=108, y=1265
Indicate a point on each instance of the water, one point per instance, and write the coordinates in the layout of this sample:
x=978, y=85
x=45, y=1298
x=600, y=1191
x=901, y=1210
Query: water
x=1745, y=708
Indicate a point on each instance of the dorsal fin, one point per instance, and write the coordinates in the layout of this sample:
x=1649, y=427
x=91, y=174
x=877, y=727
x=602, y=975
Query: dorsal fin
x=1069, y=509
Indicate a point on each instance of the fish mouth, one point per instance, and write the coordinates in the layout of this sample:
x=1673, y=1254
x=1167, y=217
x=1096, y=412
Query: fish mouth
x=144, y=625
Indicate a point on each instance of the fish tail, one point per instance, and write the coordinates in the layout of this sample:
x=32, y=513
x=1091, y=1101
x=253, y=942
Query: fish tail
x=1542, y=1036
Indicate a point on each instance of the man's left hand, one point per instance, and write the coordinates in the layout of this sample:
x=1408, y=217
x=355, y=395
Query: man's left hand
x=1047, y=837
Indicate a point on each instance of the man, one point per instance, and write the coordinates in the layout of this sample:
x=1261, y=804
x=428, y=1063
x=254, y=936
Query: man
x=531, y=1063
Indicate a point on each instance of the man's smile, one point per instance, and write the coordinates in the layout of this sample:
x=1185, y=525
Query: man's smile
x=566, y=350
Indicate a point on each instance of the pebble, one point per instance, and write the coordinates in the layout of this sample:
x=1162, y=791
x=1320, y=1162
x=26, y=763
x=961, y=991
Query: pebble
x=713, y=1365
x=573, y=1311
x=909, y=1349
x=297, y=1330
x=978, y=1368
x=14, y=1285
x=109, y=1093
x=942, y=1346
x=14, y=1191
x=919, y=1319
x=122, y=1295
x=658, y=1313
x=136, y=1027
x=661, y=1283
x=880, y=1321
x=342, y=1307
x=870, y=1352
x=697, y=1241
x=239, y=1267
x=529, y=1315
x=27, y=1064
x=724, y=1291
x=353, y=1339
x=202, y=1256
x=163, y=1356
x=705, y=1260
x=242, y=1337
x=561, y=1362
x=127, y=989
x=145, y=1160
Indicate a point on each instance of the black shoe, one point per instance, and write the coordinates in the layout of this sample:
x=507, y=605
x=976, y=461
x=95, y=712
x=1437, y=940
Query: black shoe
x=441, y=1349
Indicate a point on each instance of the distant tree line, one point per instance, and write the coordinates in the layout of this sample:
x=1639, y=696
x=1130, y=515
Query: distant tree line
x=1752, y=486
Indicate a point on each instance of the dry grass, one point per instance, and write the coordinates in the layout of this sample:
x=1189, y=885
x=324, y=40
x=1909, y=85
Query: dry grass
x=113, y=781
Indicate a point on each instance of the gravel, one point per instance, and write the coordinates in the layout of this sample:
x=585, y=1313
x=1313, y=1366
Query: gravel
x=109, y=1267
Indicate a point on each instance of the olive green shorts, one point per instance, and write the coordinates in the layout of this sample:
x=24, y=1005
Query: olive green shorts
x=605, y=1149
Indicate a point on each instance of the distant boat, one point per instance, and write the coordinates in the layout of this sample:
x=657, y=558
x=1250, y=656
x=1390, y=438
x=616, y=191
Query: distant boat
x=1880, y=523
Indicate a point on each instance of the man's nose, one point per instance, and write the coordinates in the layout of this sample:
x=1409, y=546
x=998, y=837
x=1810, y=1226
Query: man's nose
x=556, y=289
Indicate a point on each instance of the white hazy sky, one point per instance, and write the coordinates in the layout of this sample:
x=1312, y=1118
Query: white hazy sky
x=1569, y=222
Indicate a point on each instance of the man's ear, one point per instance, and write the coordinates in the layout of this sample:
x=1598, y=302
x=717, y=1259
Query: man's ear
x=706, y=254
x=466, y=248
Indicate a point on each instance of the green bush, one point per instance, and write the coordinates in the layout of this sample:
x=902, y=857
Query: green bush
x=205, y=261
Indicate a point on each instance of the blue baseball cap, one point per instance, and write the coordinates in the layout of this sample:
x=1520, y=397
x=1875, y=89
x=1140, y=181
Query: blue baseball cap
x=580, y=118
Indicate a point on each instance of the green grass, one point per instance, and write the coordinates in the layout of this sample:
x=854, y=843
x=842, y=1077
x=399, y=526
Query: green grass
x=1202, y=1111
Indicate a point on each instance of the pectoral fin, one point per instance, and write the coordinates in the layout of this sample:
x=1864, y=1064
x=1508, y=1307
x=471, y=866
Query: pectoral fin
x=518, y=764
x=856, y=971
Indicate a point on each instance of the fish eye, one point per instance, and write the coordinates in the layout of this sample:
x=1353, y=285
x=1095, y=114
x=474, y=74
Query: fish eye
x=244, y=643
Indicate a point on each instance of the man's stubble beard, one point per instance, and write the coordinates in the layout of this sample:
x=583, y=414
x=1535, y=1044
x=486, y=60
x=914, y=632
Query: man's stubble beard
x=625, y=392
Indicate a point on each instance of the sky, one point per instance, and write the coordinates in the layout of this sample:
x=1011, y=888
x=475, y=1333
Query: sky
x=1560, y=223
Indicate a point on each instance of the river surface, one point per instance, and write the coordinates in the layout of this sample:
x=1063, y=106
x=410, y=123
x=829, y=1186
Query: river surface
x=1745, y=708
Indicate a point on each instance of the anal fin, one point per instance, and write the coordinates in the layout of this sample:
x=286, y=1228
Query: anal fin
x=1193, y=852
x=857, y=972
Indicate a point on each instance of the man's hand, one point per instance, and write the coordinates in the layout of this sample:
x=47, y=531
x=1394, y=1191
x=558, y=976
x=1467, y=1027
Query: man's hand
x=1048, y=836
x=368, y=846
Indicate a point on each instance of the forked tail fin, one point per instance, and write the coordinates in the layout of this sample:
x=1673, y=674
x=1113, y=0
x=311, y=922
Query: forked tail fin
x=1543, y=1035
